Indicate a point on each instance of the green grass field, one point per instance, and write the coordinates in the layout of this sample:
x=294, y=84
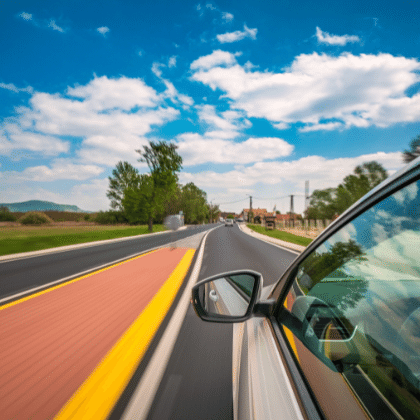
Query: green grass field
x=284, y=236
x=33, y=238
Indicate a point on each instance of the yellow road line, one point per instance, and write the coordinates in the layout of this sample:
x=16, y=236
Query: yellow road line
x=98, y=394
x=8, y=305
x=289, y=335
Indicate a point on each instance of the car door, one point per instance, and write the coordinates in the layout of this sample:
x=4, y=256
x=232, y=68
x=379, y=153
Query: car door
x=344, y=339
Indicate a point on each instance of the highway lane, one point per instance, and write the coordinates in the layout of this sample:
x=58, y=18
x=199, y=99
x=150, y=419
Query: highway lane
x=20, y=275
x=197, y=383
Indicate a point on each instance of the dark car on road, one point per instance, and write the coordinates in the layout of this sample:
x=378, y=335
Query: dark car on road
x=338, y=336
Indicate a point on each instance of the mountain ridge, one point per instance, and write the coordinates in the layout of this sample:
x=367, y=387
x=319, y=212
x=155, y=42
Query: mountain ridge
x=39, y=205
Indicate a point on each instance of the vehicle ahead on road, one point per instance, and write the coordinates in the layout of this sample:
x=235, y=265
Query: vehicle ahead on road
x=229, y=222
x=338, y=336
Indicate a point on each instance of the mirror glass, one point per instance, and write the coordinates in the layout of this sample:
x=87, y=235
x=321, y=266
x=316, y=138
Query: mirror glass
x=228, y=295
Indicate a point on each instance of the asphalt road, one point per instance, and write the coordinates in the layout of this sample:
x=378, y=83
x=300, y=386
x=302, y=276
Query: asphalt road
x=197, y=383
x=17, y=276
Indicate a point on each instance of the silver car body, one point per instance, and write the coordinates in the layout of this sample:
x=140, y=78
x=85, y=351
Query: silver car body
x=261, y=387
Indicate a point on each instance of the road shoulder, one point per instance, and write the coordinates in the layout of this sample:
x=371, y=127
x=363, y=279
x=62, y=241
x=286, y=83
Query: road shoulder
x=279, y=242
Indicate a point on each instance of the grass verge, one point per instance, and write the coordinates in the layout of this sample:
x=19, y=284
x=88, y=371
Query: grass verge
x=25, y=238
x=284, y=236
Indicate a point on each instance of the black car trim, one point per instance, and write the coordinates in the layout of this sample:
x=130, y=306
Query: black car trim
x=305, y=395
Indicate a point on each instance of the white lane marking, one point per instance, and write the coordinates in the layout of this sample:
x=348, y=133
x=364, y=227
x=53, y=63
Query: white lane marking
x=139, y=405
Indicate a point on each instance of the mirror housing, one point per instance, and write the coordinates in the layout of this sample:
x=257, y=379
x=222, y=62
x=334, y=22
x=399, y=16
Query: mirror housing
x=228, y=297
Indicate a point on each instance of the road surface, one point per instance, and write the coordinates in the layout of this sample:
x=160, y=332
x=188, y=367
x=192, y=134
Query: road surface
x=197, y=383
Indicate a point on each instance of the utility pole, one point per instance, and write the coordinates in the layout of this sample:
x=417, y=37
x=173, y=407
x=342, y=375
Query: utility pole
x=250, y=209
x=292, y=210
x=307, y=196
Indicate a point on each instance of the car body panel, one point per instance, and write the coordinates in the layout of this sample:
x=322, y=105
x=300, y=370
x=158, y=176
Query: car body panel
x=261, y=387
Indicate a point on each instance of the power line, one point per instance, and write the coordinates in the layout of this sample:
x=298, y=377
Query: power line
x=231, y=202
x=278, y=198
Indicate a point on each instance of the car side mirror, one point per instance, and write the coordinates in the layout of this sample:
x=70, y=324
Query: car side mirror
x=229, y=297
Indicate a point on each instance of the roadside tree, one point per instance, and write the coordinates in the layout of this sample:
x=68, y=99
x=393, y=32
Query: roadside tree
x=193, y=204
x=123, y=176
x=164, y=163
x=356, y=185
x=326, y=204
x=136, y=201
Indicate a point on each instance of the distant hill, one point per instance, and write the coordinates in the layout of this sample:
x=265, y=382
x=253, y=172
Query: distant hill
x=36, y=205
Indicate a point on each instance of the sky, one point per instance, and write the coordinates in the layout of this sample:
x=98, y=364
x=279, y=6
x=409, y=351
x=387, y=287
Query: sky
x=259, y=97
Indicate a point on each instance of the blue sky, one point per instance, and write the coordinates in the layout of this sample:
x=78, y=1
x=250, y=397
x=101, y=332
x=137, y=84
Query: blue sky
x=259, y=96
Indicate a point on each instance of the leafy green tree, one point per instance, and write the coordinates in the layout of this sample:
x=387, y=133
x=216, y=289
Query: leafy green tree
x=356, y=185
x=123, y=176
x=6, y=215
x=136, y=201
x=164, y=163
x=413, y=152
x=193, y=204
x=322, y=204
x=325, y=204
x=213, y=212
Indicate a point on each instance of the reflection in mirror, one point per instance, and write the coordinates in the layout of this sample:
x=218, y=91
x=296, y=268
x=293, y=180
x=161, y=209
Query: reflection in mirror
x=229, y=295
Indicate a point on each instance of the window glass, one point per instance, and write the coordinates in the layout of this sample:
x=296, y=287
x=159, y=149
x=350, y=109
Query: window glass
x=355, y=307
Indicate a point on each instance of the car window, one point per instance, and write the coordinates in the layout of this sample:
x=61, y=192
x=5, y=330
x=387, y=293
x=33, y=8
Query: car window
x=354, y=307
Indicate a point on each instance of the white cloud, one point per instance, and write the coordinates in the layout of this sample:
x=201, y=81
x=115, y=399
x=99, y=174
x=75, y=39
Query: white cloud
x=326, y=126
x=156, y=69
x=229, y=37
x=26, y=16
x=228, y=121
x=176, y=97
x=210, y=6
x=281, y=126
x=274, y=179
x=107, y=117
x=103, y=30
x=326, y=38
x=59, y=169
x=196, y=149
x=227, y=17
x=54, y=26
x=13, y=88
x=172, y=61
x=103, y=93
x=359, y=91
x=51, y=23
x=216, y=58
x=13, y=137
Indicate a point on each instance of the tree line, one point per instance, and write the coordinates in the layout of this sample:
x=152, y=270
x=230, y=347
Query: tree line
x=331, y=202
x=148, y=198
